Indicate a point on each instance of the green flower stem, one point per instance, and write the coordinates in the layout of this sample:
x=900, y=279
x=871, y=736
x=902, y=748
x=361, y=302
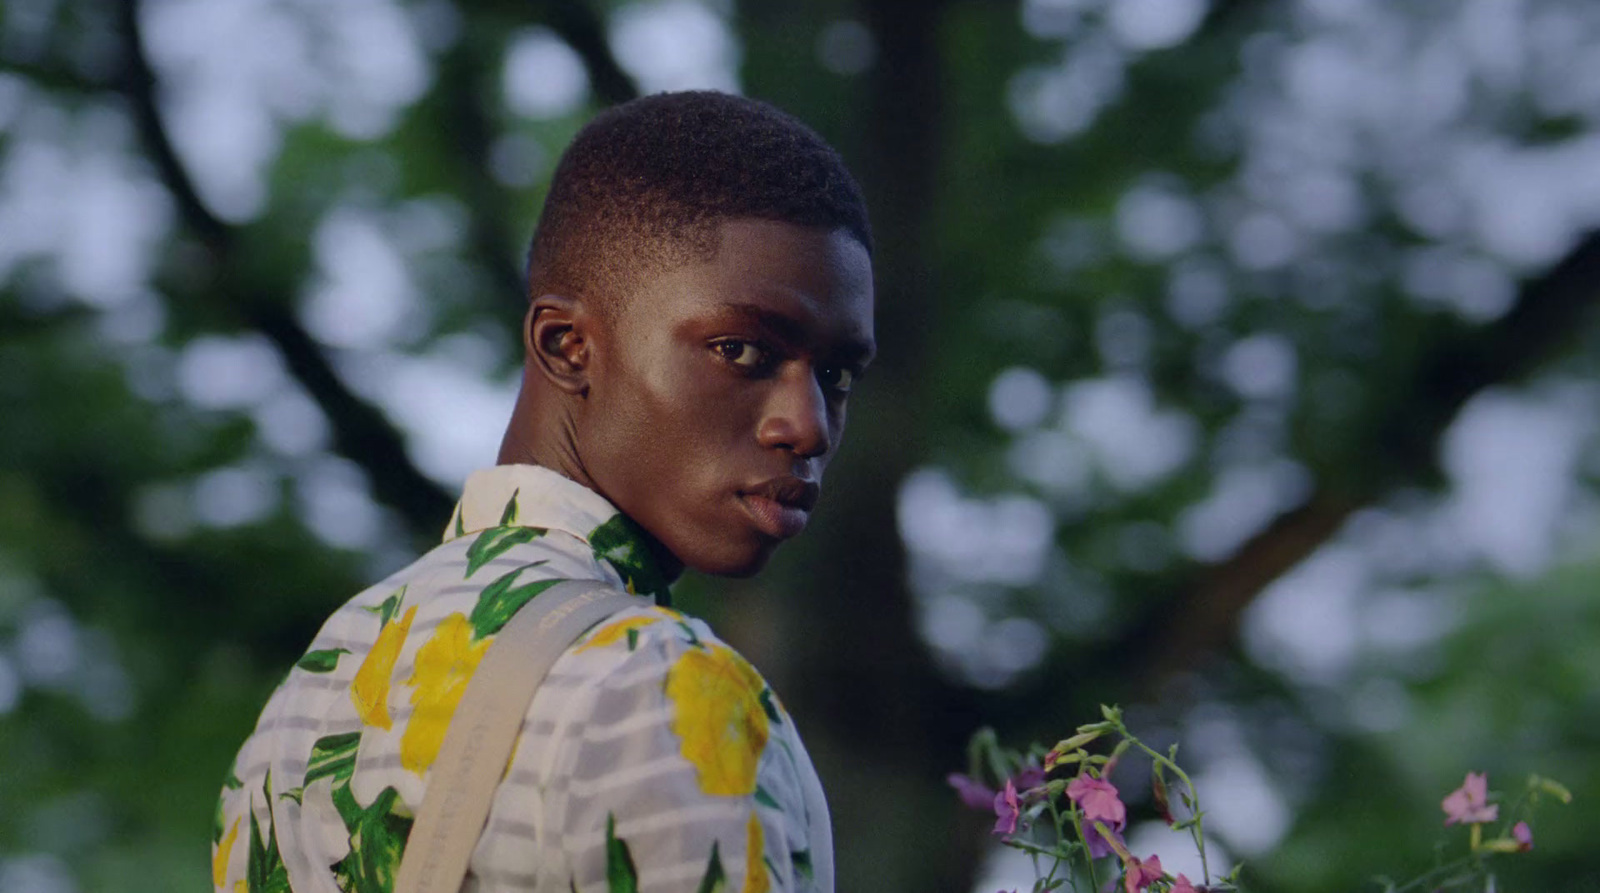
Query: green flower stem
x=1197, y=827
x=1055, y=818
x=1077, y=825
x=1425, y=880
x=1031, y=848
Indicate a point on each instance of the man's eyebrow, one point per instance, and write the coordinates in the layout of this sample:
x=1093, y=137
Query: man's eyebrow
x=784, y=326
x=790, y=329
x=858, y=351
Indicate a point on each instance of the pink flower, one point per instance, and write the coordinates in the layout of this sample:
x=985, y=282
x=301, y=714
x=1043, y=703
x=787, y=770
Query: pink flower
x=1005, y=806
x=1099, y=802
x=1182, y=885
x=1523, y=835
x=1138, y=874
x=1100, y=845
x=1469, y=803
x=1029, y=778
x=974, y=794
x=1098, y=799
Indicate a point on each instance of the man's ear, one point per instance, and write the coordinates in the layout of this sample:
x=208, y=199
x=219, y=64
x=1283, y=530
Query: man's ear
x=556, y=337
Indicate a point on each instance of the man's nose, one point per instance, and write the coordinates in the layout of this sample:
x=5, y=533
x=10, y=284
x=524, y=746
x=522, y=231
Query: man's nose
x=796, y=417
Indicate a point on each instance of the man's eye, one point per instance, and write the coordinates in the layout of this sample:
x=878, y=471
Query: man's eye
x=837, y=378
x=744, y=354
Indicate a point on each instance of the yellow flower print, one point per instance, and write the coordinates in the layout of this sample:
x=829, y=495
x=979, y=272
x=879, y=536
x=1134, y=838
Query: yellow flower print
x=717, y=714
x=755, y=865
x=445, y=664
x=370, y=690
x=617, y=630
x=219, y=859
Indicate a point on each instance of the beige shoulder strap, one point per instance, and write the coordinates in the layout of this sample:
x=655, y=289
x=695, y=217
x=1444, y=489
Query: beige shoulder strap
x=478, y=744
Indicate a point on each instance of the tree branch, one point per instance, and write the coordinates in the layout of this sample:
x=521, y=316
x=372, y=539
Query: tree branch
x=472, y=133
x=361, y=432
x=582, y=29
x=862, y=673
x=464, y=82
x=1549, y=313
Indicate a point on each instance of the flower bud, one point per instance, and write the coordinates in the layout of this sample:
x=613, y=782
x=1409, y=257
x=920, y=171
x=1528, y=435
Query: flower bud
x=1550, y=786
x=1067, y=745
x=1501, y=845
x=1158, y=792
x=1057, y=757
x=1116, y=754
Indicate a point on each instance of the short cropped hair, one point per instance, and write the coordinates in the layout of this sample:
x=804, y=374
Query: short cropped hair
x=643, y=186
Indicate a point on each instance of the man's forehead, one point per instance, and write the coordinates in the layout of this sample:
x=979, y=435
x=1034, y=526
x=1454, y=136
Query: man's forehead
x=789, y=253
x=795, y=280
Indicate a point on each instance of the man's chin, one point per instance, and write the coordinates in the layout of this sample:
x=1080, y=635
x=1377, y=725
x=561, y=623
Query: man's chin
x=738, y=564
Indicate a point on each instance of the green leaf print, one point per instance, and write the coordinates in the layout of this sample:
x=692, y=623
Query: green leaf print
x=715, y=879
x=494, y=542
x=621, y=543
x=769, y=707
x=766, y=799
x=500, y=599
x=461, y=522
x=621, y=876
x=377, y=840
x=333, y=756
x=508, y=515
x=344, y=803
x=802, y=864
x=322, y=661
x=264, y=870
x=390, y=605
x=231, y=783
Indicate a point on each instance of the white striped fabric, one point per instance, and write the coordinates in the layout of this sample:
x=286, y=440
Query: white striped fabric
x=651, y=755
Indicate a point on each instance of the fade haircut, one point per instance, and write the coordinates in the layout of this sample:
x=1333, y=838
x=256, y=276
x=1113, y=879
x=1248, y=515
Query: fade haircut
x=643, y=186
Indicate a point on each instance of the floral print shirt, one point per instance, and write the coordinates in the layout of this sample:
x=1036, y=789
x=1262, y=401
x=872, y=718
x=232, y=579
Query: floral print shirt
x=653, y=758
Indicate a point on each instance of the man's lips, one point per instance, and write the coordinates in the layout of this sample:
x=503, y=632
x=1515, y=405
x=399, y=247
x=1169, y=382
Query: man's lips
x=781, y=506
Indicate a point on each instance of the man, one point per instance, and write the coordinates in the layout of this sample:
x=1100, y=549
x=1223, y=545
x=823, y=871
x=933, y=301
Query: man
x=701, y=305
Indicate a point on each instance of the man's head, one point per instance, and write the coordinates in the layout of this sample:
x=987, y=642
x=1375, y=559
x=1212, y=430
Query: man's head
x=643, y=186
x=701, y=290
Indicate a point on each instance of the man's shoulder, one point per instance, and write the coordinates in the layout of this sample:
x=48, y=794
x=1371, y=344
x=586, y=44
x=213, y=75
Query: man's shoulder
x=658, y=648
x=646, y=627
x=484, y=564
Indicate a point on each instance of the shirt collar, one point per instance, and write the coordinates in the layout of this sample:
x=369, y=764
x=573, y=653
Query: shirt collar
x=534, y=496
